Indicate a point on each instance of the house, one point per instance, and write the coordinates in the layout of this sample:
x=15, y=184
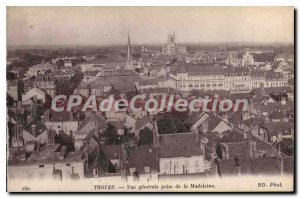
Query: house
x=142, y=164
x=45, y=83
x=53, y=162
x=180, y=153
x=62, y=121
x=211, y=123
x=130, y=123
x=278, y=130
x=36, y=131
x=119, y=126
x=88, y=130
x=67, y=63
x=12, y=89
x=265, y=166
x=40, y=69
x=144, y=122
x=114, y=154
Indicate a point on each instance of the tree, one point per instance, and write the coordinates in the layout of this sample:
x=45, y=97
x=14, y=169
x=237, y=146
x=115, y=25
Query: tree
x=173, y=123
x=110, y=134
x=20, y=88
x=146, y=137
x=10, y=75
x=9, y=100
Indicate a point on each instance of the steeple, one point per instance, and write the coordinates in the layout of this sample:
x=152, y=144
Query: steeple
x=129, y=61
x=129, y=55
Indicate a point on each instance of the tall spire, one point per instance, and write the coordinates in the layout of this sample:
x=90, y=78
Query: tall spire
x=129, y=55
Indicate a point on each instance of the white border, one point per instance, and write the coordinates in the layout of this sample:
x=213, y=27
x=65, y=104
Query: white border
x=110, y=3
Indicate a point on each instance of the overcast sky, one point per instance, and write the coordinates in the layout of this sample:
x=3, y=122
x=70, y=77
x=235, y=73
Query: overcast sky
x=102, y=26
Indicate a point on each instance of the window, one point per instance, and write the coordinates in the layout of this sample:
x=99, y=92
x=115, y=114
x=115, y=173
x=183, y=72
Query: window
x=41, y=165
x=147, y=169
x=95, y=172
x=68, y=164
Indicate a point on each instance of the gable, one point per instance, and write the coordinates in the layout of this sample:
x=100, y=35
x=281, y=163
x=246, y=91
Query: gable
x=221, y=127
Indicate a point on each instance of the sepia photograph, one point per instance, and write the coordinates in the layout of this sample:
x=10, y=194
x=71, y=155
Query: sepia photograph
x=150, y=99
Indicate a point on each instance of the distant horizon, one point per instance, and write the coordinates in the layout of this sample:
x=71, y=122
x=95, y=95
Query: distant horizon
x=156, y=44
x=102, y=26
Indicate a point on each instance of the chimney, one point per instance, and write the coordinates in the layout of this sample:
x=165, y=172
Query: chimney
x=50, y=136
x=96, y=127
x=253, y=149
x=197, y=135
x=203, y=145
x=279, y=161
x=71, y=115
x=281, y=166
x=62, y=153
x=29, y=119
x=204, y=126
x=33, y=130
x=226, y=118
x=214, y=148
x=38, y=146
x=43, y=120
x=245, y=135
x=238, y=169
x=46, y=115
x=155, y=136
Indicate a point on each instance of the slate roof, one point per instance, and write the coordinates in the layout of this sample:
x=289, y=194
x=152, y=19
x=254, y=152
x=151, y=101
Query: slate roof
x=255, y=166
x=112, y=151
x=274, y=128
x=195, y=70
x=178, y=145
x=141, y=122
x=122, y=80
x=271, y=90
x=39, y=128
x=142, y=157
x=90, y=119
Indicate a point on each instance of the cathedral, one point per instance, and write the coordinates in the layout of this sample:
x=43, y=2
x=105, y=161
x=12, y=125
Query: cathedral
x=171, y=48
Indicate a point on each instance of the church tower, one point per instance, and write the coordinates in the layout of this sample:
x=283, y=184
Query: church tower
x=129, y=61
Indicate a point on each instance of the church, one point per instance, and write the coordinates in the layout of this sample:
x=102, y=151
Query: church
x=171, y=48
